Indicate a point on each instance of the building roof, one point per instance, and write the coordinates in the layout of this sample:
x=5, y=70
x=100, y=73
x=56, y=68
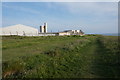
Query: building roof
x=18, y=26
x=18, y=29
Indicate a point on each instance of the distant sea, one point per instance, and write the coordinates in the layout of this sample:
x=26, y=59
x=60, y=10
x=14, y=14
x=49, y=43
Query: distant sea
x=111, y=34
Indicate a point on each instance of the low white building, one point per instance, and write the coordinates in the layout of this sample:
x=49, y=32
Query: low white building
x=71, y=32
x=63, y=33
x=19, y=29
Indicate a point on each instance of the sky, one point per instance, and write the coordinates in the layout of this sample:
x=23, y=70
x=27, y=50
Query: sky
x=91, y=17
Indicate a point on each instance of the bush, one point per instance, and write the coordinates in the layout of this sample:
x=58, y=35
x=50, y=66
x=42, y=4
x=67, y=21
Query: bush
x=52, y=52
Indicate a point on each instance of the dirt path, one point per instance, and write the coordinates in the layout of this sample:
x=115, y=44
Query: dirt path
x=94, y=58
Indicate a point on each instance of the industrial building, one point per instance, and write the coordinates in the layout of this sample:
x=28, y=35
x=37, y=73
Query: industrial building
x=23, y=30
x=20, y=30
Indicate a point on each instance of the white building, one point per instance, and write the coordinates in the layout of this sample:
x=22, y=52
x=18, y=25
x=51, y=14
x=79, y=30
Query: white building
x=19, y=29
x=71, y=32
x=43, y=28
x=23, y=30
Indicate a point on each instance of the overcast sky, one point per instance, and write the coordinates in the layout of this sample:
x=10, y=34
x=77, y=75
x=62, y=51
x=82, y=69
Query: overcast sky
x=91, y=17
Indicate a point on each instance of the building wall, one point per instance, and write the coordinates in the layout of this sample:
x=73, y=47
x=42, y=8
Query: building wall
x=63, y=33
x=46, y=34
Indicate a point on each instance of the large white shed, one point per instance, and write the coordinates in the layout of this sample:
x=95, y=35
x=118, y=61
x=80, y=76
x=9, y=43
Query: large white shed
x=19, y=29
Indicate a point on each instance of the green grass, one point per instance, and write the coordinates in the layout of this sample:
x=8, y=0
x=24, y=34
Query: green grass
x=90, y=56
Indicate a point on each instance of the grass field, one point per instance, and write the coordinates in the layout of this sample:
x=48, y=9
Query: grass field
x=89, y=56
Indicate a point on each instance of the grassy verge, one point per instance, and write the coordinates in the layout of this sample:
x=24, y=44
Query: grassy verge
x=60, y=57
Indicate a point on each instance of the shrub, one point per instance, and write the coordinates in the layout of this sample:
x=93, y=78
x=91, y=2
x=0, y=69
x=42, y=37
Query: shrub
x=52, y=52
